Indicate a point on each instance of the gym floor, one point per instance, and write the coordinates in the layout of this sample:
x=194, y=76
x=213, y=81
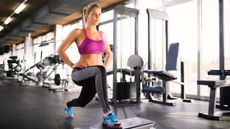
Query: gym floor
x=28, y=107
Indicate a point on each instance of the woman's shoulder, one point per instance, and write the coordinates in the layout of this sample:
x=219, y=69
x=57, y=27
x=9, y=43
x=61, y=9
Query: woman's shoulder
x=78, y=30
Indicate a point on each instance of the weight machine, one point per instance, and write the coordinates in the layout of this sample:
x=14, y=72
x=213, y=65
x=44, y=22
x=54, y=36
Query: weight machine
x=13, y=66
x=122, y=89
x=222, y=83
x=156, y=82
x=46, y=68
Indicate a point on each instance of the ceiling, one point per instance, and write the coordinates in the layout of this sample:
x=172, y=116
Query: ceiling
x=40, y=16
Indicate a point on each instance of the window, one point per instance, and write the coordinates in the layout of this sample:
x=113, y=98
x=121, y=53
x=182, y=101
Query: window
x=227, y=33
x=210, y=41
x=183, y=28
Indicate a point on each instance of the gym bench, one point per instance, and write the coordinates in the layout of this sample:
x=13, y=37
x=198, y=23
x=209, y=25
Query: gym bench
x=165, y=77
x=213, y=85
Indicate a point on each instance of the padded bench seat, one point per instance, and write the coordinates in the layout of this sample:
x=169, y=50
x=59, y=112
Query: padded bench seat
x=164, y=75
x=214, y=83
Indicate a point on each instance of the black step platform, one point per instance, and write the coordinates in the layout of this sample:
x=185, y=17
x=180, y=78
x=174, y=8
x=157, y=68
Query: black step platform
x=130, y=123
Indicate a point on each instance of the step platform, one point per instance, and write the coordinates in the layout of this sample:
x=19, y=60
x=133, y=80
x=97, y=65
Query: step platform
x=130, y=123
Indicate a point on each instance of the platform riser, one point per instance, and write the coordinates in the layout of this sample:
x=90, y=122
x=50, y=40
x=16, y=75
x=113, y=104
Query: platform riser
x=150, y=126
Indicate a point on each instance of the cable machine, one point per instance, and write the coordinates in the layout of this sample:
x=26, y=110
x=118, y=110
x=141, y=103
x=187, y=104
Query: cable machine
x=149, y=87
x=130, y=12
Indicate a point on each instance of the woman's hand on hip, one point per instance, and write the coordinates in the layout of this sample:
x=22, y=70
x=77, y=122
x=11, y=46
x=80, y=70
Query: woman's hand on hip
x=80, y=64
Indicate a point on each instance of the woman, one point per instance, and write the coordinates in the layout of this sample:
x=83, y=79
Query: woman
x=89, y=71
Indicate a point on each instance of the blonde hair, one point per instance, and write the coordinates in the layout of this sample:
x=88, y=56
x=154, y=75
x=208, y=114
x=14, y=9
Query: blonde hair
x=87, y=10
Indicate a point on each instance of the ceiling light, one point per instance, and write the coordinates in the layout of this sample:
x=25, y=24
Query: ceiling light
x=8, y=20
x=1, y=28
x=20, y=8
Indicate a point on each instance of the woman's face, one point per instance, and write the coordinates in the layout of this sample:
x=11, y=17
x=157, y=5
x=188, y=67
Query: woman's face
x=93, y=17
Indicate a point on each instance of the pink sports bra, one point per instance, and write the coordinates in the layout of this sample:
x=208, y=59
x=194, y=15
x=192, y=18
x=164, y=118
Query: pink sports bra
x=90, y=46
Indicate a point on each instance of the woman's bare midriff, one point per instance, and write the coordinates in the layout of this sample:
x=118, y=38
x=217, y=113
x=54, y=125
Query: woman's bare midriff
x=92, y=59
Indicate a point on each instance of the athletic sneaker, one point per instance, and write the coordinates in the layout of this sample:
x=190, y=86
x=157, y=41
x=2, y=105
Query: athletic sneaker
x=69, y=113
x=111, y=120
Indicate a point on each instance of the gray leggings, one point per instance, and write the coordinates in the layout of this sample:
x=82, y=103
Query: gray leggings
x=93, y=80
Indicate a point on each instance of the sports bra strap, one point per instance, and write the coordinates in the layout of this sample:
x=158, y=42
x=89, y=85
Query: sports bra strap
x=85, y=32
x=100, y=34
x=87, y=36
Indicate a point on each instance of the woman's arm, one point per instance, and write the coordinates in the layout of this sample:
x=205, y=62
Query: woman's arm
x=72, y=37
x=108, y=52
